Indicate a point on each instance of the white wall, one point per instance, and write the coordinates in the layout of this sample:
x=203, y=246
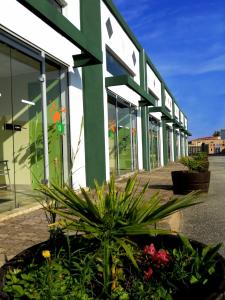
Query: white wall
x=72, y=12
x=154, y=84
x=168, y=101
x=76, y=127
x=182, y=118
x=119, y=42
x=176, y=112
x=24, y=24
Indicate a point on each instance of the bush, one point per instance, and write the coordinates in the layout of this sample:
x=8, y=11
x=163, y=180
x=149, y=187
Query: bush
x=193, y=163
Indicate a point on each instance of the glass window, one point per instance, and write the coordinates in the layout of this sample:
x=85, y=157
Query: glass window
x=21, y=135
x=122, y=132
x=154, y=143
x=55, y=125
x=115, y=67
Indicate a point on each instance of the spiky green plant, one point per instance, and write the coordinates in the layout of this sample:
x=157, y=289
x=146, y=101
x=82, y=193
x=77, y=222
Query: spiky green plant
x=113, y=216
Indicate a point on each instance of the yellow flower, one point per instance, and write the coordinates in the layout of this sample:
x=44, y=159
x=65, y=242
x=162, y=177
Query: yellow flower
x=46, y=253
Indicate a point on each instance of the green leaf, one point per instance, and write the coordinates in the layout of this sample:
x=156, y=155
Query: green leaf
x=128, y=250
x=193, y=279
x=187, y=245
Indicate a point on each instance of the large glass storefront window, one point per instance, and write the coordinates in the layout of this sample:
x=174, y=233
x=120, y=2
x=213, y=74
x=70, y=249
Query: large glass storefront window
x=122, y=132
x=154, y=143
x=55, y=125
x=21, y=126
x=169, y=143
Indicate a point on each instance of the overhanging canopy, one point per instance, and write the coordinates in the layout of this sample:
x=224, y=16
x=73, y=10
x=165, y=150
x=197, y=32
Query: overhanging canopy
x=146, y=99
x=166, y=114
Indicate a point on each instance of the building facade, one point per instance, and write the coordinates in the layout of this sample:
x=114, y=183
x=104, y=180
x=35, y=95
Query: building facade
x=211, y=144
x=80, y=98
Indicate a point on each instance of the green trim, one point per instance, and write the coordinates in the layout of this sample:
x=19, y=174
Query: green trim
x=145, y=138
x=166, y=114
x=143, y=73
x=122, y=23
x=129, y=82
x=46, y=12
x=83, y=60
x=93, y=98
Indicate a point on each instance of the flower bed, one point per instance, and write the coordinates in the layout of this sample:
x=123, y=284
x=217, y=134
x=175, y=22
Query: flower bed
x=168, y=268
x=117, y=254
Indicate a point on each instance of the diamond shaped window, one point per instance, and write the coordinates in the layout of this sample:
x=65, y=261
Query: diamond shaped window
x=134, y=58
x=109, y=27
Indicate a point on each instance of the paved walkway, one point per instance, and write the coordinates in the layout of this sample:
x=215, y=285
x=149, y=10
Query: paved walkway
x=205, y=222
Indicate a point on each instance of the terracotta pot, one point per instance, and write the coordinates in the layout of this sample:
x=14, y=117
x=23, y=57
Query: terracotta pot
x=185, y=181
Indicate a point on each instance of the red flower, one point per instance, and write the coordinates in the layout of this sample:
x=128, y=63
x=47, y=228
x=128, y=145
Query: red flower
x=148, y=274
x=150, y=250
x=161, y=257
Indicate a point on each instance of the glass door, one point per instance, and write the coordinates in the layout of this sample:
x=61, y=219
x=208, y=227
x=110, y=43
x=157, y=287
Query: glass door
x=112, y=135
x=169, y=143
x=122, y=134
x=55, y=124
x=124, y=138
x=154, y=143
x=7, y=199
x=134, y=138
x=21, y=154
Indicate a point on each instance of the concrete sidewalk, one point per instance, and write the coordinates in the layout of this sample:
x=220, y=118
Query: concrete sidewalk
x=205, y=222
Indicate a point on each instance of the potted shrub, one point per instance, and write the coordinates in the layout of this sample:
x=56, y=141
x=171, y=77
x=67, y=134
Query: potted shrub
x=114, y=251
x=197, y=177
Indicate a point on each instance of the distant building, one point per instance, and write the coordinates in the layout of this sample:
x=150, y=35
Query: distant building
x=222, y=134
x=213, y=144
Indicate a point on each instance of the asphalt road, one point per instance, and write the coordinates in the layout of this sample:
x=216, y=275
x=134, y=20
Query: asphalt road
x=206, y=222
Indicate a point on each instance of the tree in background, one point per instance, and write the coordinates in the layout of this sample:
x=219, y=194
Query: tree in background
x=216, y=133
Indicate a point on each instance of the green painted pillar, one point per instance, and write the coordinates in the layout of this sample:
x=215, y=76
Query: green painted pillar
x=93, y=97
x=164, y=128
x=144, y=113
x=145, y=138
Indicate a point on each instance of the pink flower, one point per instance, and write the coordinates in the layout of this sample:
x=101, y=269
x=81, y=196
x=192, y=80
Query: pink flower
x=150, y=250
x=161, y=257
x=148, y=274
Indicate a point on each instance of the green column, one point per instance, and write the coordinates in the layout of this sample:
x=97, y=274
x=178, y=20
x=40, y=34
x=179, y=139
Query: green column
x=144, y=113
x=145, y=138
x=93, y=96
x=164, y=129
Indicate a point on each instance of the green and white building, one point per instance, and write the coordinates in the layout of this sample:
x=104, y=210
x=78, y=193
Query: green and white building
x=79, y=98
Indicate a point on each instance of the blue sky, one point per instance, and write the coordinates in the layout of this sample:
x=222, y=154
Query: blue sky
x=185, y=39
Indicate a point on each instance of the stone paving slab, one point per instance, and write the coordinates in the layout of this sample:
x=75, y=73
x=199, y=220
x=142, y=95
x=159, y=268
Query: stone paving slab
x=19, y=232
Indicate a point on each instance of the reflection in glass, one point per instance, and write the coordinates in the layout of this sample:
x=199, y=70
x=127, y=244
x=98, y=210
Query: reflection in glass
x=112, y=134
x=169, y=143
x=115, y=67
x=122, y=131
x=124, y=138
x=21, y=127
x=56, y=126
x=134, y=138
x=154, y=143
x=6, y=133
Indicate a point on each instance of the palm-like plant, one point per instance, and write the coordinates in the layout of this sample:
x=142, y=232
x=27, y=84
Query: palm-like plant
x=113, y=216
